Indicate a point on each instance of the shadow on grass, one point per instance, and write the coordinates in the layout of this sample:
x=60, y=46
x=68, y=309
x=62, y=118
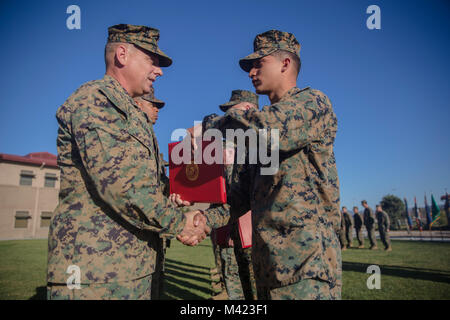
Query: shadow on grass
x=174, y=287
x=404, y=272
x=41, y=294
x=178, y=292
x=186, y=264
x=175, y=266
x=186, y=284
x=180, y=279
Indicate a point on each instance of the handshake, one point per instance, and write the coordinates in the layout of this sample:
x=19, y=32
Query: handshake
x=195, y=229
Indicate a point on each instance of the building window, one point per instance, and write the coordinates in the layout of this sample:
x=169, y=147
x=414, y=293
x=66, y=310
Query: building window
x=21, y=221
x=46, y=216
x=26, y=177
x=50, y=180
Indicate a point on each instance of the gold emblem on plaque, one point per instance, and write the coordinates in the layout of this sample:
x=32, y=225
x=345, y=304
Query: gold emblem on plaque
x=192, y=172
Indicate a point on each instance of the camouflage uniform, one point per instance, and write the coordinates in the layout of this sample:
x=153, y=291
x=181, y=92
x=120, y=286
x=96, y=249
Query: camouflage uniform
x=236, y=261
x=383, y=227
x=217, y=277
x=164, y=241
x=358, y=228
x=341, y=233
x=369, y=222
x=111, y=207
x=348, y=221
x=295, y=212
x=238, y=179
x=230, y=271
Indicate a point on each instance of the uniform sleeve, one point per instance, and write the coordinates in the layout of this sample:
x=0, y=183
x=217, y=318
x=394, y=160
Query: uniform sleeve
x=371, y=217
x=298, y=125
x=119, y=177
x=387, y=221
x=217, y=215
x=165, y=182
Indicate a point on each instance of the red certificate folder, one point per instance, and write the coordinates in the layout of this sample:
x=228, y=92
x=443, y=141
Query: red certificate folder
x=197, y=182
x=245, y=229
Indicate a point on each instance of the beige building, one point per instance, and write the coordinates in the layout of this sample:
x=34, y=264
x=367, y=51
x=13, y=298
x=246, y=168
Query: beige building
x=29, y=187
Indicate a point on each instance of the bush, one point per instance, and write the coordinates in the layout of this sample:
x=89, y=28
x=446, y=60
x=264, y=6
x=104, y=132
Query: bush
x=395, y=208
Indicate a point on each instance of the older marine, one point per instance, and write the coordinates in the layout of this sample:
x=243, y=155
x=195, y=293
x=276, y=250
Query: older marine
x=111, y=208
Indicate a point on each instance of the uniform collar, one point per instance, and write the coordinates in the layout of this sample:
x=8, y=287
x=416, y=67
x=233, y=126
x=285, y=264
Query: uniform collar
x=291, y=92
x=117, y=94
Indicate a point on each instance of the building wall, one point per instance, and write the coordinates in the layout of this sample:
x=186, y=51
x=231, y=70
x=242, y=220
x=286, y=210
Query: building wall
x=36, y=199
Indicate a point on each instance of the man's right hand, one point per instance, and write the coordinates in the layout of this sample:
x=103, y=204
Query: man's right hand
x=244, y=106
x=195, y=229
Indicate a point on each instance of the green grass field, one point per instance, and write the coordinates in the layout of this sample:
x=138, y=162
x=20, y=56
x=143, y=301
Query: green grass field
x=413, y=270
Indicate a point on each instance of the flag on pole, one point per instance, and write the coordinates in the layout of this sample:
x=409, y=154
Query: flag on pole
x=408, y=217
x=416, y=213
x=435, y=211
x=447, y=206
x=427, y=210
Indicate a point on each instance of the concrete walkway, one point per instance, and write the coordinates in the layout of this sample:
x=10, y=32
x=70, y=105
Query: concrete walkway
x=435, y=235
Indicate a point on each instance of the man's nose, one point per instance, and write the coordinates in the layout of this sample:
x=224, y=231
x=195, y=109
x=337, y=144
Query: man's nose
x=158, y=71
x=252, y=73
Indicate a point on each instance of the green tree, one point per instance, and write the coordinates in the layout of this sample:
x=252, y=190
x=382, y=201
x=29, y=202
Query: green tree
x=395, y=208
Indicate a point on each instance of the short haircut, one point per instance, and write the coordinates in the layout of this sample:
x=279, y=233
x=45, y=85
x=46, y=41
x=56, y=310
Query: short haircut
x=295, y=59
x=355, y=207
x=344, y=207
x=364, y=202
x=110, y=48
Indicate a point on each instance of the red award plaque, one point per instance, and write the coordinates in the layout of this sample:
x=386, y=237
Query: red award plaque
x=197, y=182
x=245, y=229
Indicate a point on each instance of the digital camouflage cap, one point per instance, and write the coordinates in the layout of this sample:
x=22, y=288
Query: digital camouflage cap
x=142, y=36
x=267, y=43
x=238, y=96
x=150, y=97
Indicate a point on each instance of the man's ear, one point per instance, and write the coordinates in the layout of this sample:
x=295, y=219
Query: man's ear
x=285, y=64
x=122, y=54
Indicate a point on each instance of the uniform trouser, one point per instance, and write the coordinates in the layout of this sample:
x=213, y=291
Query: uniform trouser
x=307, y=289
x=137, y=289
x=371, y=236
x=230, y=272
x=246, y=273
x=218, y=261
x=359, y=236
x=349, y=236
x=342, y=237
x=384, y=236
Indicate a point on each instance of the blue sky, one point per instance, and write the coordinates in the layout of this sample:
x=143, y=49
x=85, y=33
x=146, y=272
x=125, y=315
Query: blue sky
x=389, y=88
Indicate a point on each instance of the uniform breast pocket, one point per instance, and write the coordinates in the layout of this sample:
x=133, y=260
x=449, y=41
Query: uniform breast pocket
x=140, y=146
